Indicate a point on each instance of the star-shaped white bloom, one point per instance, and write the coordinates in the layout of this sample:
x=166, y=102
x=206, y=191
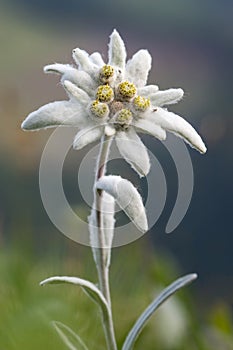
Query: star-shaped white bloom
x=113, y=99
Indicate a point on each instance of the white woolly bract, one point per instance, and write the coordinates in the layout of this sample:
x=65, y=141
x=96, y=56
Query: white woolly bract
x=133, y=151
x=77, y=93
x=79, y=77
x=127, y=197
x=138, y=68
x=117, y=51
x=55, y=113
x=86, y=136
x=166, y=97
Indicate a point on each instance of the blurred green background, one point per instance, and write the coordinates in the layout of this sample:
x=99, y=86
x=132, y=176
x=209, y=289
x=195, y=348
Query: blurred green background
x=191, y=43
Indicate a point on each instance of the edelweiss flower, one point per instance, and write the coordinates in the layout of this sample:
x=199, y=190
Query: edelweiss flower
x=113, y=99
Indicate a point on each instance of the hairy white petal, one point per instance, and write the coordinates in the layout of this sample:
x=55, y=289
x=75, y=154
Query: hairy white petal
x=117, y=51
x=59, y=68
x=97, y=59
x=80, y=78
x=178, y=126
x=127, y=197
x=62, y=113
x=148, y=90
x=82, y=59
x=166, y=97
x=146, y=126
x=77, y=93
x=86, y=136
x=138, y=67
x=133, y=151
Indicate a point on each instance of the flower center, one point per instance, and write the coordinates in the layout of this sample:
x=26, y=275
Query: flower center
x=106, y=73
x=141, y=103
x=123, y=119
x=104, y=93
x=124, y=116
x=99, y=109
x=118, y=101
x=126, y=90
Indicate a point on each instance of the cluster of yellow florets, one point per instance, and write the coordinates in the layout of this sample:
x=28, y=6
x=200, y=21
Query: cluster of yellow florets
x=126, y=90
x=120, y=102
x=99, y=109
x=104, y=93
x=106, y=73
x=124, y=116
x=141, y=103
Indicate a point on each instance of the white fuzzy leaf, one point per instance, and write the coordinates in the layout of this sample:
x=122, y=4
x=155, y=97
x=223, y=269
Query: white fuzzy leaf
x=166, y=97
x=138, y=67
x=82, y=59
x=117, y=51
x=145, y=316
x=62, y=113
x=107, y=224
x=78, y=77
x=97, y=59
x=148, y=90
x=86, y=136
x=133, y=151
x=127, y=197
x=80, y=95
x=178, y=126
x=69, y=337
x=91, y=290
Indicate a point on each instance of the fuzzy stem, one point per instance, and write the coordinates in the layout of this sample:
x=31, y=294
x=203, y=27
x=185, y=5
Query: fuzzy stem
x=100, y=259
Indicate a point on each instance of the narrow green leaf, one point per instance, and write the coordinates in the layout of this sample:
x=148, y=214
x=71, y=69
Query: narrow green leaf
x=145, y=316
x=69, y=337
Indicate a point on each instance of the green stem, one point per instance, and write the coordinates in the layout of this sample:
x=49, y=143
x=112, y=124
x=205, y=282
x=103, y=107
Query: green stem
x=102, y=268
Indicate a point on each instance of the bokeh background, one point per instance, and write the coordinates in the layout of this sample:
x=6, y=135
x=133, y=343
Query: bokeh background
x=191, y=43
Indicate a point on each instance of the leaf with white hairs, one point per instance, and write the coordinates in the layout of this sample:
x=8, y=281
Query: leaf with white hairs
x=89, y=287
x=127, y=197
x=145, y=316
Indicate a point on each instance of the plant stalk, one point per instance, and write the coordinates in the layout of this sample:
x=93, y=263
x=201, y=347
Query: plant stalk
x=102, y=268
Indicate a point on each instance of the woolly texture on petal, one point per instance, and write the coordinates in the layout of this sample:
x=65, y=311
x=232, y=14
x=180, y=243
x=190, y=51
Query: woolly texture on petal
x=62, y=113
x=87, y=135
x=78, y=77
x=117, y=51
x=166, y=97
x=97, y=59
x=138, y=67
x=148, y=90
x=79, y=95
x=127, y=197
x=178, y=126
x=82, y=59
x=133, y=151
x=145, y=126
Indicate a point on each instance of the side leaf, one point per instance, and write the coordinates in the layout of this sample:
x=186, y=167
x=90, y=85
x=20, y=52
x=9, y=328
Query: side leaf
x=145, y=316
x=127, y=197
x=69, y=337
x=87, y=286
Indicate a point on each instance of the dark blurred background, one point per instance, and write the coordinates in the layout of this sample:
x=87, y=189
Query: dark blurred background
x=191, y=43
